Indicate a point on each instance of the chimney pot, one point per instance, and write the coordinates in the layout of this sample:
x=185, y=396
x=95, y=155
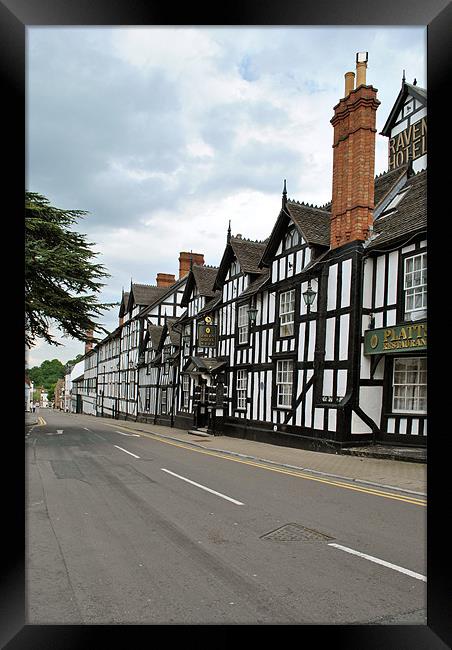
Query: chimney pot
x=349, y=83
x=361, y=67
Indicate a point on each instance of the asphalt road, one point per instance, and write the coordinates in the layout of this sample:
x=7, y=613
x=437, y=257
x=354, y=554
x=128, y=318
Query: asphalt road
x=131, y=529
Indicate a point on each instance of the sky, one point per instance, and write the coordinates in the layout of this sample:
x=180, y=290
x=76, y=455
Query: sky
x=165, y=134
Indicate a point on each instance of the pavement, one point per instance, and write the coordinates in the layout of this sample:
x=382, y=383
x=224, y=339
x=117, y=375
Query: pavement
x=387, y=470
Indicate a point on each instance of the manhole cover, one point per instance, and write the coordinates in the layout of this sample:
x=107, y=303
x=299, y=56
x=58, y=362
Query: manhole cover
x=296, y=533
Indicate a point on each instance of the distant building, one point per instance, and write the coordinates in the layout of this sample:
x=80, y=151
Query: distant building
x=28, y=394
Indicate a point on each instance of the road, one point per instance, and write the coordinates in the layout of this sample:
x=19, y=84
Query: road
x=126, y=528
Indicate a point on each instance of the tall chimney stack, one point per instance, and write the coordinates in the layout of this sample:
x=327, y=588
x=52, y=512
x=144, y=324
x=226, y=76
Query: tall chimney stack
x=354, y=123
x=186, y=260
x=89, y=344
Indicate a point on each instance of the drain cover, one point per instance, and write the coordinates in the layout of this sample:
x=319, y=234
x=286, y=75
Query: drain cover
x=296, y=533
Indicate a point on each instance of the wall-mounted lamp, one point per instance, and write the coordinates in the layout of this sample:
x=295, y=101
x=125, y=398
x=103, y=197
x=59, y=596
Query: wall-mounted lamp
x=309, y=295
x=252, y=315
x=371, y=321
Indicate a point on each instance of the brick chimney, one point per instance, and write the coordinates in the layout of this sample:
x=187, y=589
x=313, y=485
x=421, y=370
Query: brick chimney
x=89, y=344
x=354, y=125
x=185, y=262
x=165, y=279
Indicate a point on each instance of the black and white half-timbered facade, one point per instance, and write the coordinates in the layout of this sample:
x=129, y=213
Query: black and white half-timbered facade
x=316, y=336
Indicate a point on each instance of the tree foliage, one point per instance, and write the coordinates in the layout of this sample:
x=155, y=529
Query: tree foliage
x=61, y=279
x=47, y=374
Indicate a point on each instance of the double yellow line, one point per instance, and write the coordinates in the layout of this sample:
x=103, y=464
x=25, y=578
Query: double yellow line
x=41, y=421
x=289, y=472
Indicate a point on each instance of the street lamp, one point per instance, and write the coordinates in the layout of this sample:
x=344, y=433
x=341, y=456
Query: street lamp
x=309, y=295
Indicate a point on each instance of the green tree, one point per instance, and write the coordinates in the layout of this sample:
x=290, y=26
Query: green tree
x=47, y=374
x=61, y=279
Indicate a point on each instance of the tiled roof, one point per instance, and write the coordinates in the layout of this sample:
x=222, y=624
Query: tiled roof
x=313, y=222
x=124, y=303
x=204, y=278
x=145, y=294
x=248, y=253
x=257, y=284
x=174, y=335
x=155, y=334
x=384, y=182
x=408, y=217
x=211, y=304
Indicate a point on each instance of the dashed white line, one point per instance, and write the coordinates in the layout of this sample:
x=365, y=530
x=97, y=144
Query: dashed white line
x=127, y=452
x=407, y=572
x=203, y=487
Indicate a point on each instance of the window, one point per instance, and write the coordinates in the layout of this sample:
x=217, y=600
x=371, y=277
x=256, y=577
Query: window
x=235, y=268
x=284, y=381
x=410, y=385
x=242, y=323
x=163, y=410
x=292, y=239
x=186, y=337
x=186, y=391
x=286, y=313
x=415, y=285
x=241, y=387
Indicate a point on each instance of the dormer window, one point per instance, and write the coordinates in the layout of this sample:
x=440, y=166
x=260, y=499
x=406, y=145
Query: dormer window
x=235, y=268
x=292, y=239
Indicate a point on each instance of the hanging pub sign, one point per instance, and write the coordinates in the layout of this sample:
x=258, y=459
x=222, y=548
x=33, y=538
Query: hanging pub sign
x=399, y=338
x=207, y=334
x=409, y=143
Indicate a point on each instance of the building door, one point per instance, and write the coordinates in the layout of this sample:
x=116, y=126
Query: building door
x=202, y=414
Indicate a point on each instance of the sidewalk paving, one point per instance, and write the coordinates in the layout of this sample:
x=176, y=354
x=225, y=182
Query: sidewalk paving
x=383, y=472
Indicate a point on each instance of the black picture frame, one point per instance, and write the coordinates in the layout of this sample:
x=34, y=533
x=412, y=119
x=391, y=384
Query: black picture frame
x=15, y=17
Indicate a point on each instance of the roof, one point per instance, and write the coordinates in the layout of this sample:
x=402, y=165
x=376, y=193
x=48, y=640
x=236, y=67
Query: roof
x=312, y=222
x=256, y=285
x=211, y=304
x=386, y=181
x=124, y=302
x=203, y=364
x=203, y=277
x=144, y=294
x=168, y=291
x=248, y=253
x=155, y=334
x=409, y=217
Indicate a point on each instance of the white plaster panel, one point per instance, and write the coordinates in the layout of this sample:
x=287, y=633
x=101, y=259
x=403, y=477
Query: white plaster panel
x=328, y=382
x=408, y=249
x=400, y=127
x=279, y=251
x=332, y=287
x=282, y=268
x=391, y=425
x=343, y=337
x=332, y=415
x=370, y=400
x=318, y=418
x=391, y=317
x=301, y=339
x=402, y=426
x=308, y=408
x=312, y=335
x=378, y=319
x=329, y=339
x=380, y=279
x=392, y=277
x=358, y=426
x=420, y=163
x=415, y=427
x=298, y=261
x=271, y=307
x=275, y=271
x=341, y=382
x=269, y=392
x=346, y=283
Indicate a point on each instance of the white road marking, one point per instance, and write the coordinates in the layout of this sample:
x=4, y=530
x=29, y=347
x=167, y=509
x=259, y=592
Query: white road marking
x=127, y=452
x=86, y=429
x=412, y=574
x=131, y=435
x=203, y=487
x=59, y=431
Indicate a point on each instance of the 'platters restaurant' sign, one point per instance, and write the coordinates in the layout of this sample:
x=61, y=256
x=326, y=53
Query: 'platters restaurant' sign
x=400, y=338
x=410, y=143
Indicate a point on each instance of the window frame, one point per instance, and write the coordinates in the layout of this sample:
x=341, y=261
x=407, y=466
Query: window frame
x=422, y=361
x=243, y=328
x=288, y=393
x=283, y=314
x=241, y=389
x=410, y=291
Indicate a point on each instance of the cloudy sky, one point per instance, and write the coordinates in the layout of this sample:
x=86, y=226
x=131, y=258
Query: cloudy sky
x=164, y=134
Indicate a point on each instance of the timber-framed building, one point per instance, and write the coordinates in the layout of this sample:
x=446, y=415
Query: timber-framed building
x=316, y=336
